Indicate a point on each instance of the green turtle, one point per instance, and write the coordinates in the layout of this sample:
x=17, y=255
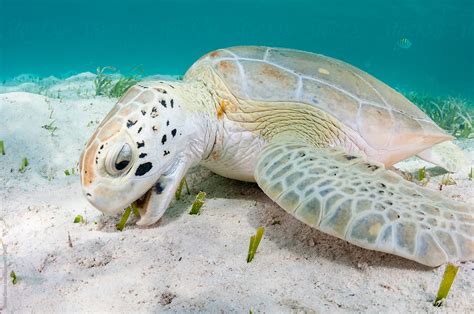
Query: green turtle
x=317, y=135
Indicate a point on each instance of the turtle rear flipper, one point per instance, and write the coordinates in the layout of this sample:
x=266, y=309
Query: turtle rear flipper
x=364, y=204
x=446, y=155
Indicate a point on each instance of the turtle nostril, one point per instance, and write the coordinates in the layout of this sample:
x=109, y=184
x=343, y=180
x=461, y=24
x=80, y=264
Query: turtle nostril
x=88, y=195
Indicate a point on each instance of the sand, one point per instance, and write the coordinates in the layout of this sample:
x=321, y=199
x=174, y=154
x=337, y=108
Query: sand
x=183, y=263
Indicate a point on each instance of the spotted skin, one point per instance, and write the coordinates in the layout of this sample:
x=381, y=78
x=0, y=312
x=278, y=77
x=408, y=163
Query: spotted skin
x=144, y=119
x=364, y=204
x=140, y=98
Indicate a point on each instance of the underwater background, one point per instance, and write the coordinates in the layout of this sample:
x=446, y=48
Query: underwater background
x=419, y=45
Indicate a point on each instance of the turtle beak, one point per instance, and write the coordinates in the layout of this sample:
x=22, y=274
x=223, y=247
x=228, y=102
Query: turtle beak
x=159, y=197
x=153, y=204
x=143, y=203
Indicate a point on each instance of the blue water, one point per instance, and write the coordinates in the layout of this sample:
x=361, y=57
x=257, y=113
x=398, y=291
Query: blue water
x=61, y=37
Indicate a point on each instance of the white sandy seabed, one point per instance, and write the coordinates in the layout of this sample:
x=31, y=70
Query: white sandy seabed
x=183, y=263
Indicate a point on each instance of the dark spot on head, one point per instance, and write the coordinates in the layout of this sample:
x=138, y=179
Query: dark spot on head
x=171, y=86
x=158, y=188
x=173, y=132
x=161, y=90
x=163, y=139
x=154, y=128
x=372, y=167
x=88, y=194
x=167, y=122
x=163, y=103
x=140, y=144
x=349, y=157
x=142, y=155
x=130, y=123
x=139, y=130
x=166, y=152
x=154, y=112
x=143, y=112
x=172, y=103
x=102, y=146
x=143, y=168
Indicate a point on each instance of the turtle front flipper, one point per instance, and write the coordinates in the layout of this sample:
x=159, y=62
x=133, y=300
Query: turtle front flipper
x=365, y=204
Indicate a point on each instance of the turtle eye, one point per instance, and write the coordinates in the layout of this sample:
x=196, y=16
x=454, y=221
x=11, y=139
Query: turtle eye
x=124, y=158
x=119, y=159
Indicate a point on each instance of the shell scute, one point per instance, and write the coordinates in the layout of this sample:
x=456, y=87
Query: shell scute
x=322, y=70
x=260, y=75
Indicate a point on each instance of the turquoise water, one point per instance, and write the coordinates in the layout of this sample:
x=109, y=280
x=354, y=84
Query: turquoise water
x=61, y=37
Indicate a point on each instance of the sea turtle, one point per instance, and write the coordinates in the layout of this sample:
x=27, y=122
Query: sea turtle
x=317, y=135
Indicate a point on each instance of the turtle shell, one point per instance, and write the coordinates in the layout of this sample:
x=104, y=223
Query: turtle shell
x=384, y=118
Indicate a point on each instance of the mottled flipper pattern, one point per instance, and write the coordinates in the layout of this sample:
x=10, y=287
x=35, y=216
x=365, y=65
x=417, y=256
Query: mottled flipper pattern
x=364, y=204
x=446, y=155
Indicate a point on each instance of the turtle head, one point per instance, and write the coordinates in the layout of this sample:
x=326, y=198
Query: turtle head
x=139, y=144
